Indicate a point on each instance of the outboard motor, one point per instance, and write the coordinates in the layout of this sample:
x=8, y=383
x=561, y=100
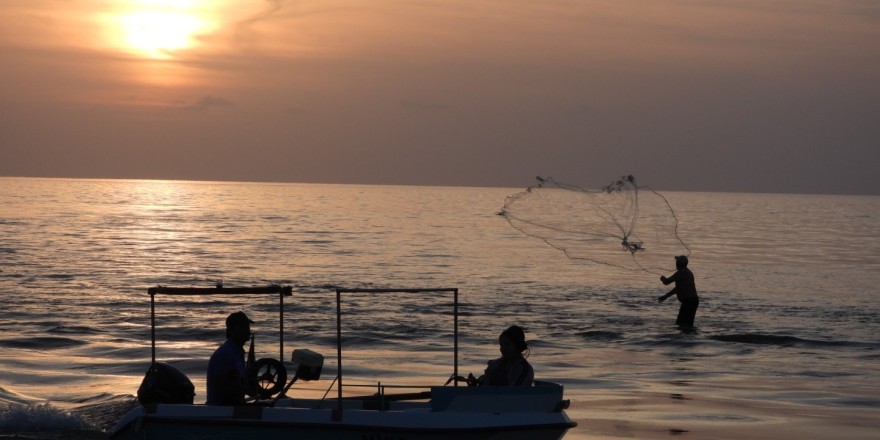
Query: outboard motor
x=165, y=384
x=308, y=363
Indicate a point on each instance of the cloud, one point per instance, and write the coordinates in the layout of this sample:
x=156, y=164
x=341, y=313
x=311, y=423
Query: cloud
x=272, y=8
x=208, y=102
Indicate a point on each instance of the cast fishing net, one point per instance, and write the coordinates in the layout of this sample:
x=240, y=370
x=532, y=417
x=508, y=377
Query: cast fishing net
x=622, y=225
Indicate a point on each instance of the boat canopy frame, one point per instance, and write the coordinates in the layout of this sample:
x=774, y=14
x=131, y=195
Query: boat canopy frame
x=276, y=289
x=283, y=291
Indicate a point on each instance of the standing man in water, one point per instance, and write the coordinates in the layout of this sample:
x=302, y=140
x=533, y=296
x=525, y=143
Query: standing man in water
x=226, y=369
x=686, y=291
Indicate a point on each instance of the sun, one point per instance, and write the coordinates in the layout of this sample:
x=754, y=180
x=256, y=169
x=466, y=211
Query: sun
x=159, y=32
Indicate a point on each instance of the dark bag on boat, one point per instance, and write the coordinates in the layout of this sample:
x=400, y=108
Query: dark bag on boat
x=165, y=384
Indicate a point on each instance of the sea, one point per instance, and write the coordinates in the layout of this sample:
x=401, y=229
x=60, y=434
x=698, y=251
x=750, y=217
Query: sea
x=786, y=345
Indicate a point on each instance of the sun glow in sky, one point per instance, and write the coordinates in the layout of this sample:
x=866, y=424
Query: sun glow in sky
x=159, y=28
x=747, y=95
x=159, y=33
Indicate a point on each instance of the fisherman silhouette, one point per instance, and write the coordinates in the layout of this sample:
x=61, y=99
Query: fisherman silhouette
x=227, y=374
x=511, y=368
x=685, y=290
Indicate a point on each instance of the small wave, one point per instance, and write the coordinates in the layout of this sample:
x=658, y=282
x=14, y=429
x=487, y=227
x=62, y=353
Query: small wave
x=73, y=330
x=317, y=241
x=365, y=341
x=47, y=342
x=100, y=398
x=9, y=397
x=102, y=411
x=38, y=417
x=203, y=334
x=779, y=340
x=601, y=335
x=681, y=340
x=870, y=357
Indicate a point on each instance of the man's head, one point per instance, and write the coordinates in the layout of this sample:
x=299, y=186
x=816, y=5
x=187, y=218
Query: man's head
x=512, y=342
x=238, y=327
x=681, y=262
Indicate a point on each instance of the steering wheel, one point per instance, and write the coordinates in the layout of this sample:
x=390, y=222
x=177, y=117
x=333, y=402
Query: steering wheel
x=474, y=381
x=266, y=377
x=470, y=380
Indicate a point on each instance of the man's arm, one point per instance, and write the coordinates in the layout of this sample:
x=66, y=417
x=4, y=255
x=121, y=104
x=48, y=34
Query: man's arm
x=669, y=280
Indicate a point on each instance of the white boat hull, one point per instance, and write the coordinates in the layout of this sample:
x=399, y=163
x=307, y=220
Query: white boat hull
x=355, y=425
x=459, y=413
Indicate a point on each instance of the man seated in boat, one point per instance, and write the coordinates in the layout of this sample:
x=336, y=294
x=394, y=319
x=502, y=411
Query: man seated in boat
x=227, y=381
x=511, y=368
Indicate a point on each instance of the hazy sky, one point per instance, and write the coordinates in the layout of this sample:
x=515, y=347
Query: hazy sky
x=705, y=95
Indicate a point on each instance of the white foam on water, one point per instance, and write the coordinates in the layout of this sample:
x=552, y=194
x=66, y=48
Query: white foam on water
x=18, y=417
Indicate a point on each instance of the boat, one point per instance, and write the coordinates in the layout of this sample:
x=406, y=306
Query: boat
x=167, y=411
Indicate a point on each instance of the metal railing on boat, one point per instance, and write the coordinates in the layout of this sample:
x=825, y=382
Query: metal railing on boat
x=279, y=290
x=339, y=291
